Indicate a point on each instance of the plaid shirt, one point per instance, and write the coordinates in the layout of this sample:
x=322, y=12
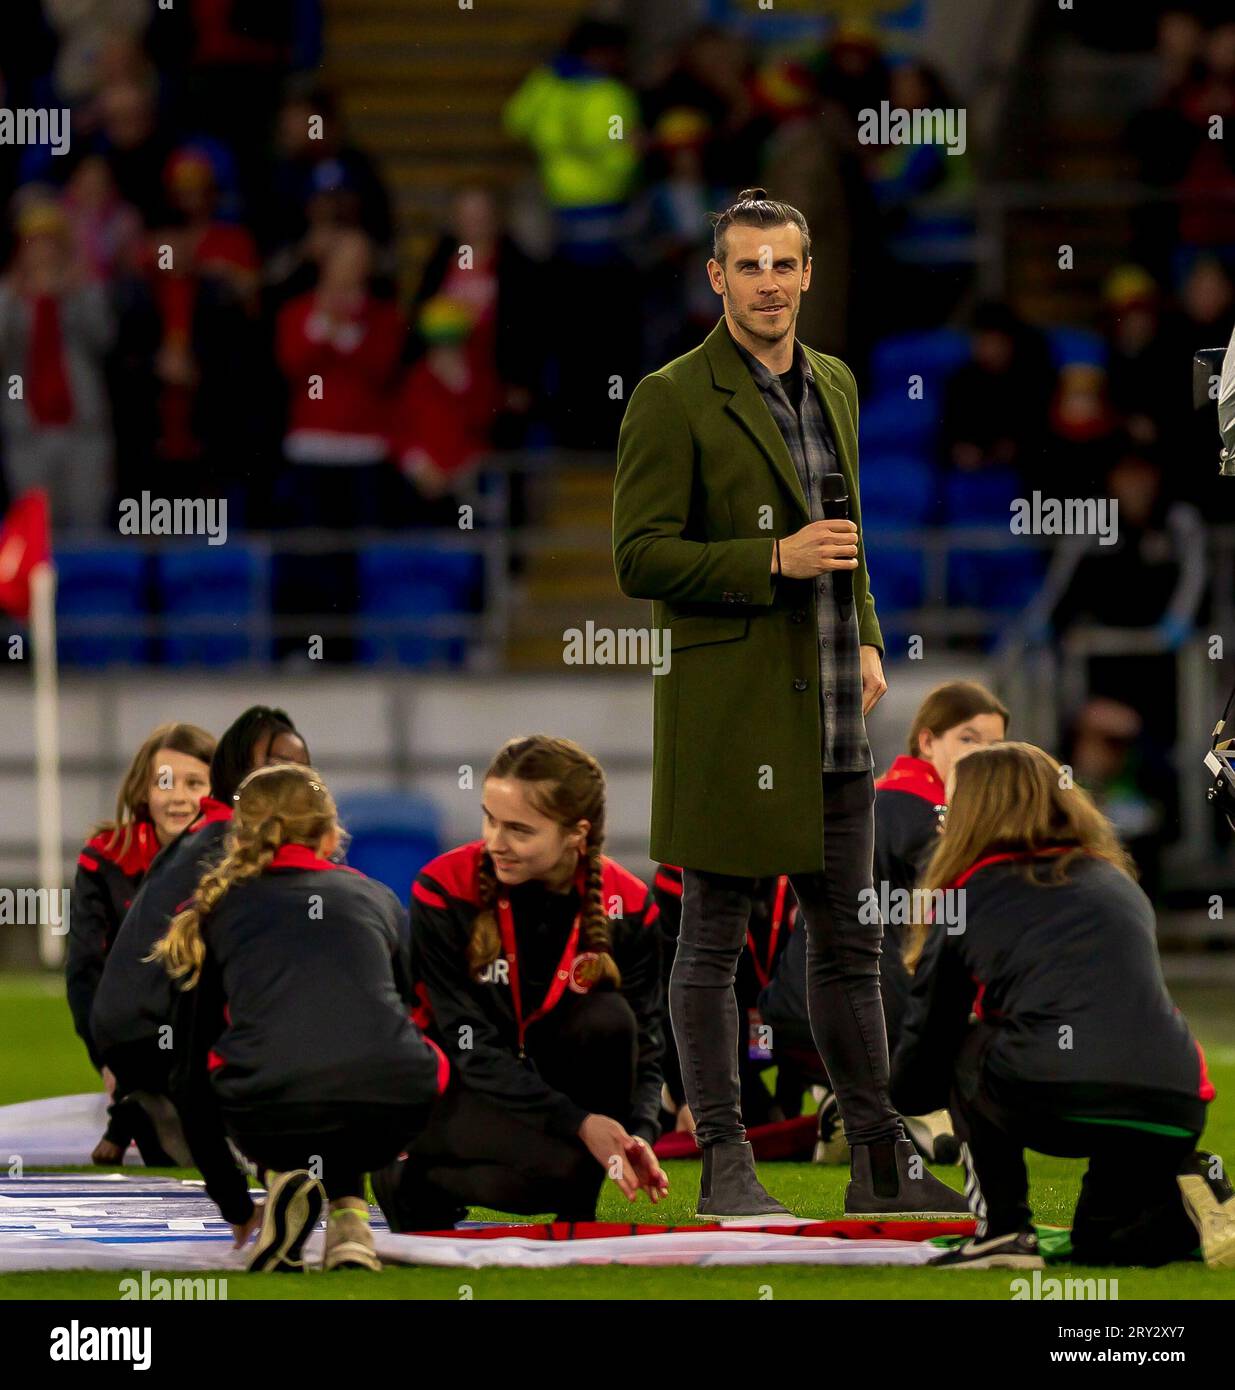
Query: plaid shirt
x=808, y=437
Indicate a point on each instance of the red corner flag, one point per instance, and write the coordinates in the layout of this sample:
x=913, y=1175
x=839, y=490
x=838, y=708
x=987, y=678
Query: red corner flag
x=25, y=541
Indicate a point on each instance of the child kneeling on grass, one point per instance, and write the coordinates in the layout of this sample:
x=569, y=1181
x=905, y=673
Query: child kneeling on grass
x=537, y=961
x=160, y=796
x=290, y=1034
x=134, y=1000
x=1076, y=1049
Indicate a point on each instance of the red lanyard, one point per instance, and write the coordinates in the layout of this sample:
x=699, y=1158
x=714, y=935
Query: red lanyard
x=561, y=976
x=764, y=973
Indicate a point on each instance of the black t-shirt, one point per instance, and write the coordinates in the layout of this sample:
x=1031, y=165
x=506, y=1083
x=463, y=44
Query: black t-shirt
x=791, y=382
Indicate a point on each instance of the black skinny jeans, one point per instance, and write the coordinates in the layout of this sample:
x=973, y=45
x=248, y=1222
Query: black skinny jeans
x=842, y=973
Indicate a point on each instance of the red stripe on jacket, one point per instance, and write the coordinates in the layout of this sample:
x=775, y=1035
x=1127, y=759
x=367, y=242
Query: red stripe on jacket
x=1206, y=1089
x=443, y=1067
x=211, y=811
x=457, y=871
x=915, y=776
x=964, y=877
x=302, y=857
x=426, y=895
x=143, y=847
x=669, y=878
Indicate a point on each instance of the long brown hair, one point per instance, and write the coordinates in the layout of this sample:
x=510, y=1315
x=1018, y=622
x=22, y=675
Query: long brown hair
x=1015, y=798
x=566, y=784
x=951, y=704
x=133, y=798
x=287, y=804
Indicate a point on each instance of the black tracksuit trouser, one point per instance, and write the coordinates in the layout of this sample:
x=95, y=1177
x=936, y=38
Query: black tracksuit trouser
x=1130, y=1211
x=478, y=1152
x=338, y=1142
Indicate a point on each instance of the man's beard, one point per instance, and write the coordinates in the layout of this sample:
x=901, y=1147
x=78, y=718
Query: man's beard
x=752, y=322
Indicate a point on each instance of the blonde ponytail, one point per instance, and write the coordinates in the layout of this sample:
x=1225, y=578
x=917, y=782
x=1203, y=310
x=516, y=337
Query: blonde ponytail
x=285, y=804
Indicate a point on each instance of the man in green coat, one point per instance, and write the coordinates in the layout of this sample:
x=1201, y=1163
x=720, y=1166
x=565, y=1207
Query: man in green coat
x=761, y=764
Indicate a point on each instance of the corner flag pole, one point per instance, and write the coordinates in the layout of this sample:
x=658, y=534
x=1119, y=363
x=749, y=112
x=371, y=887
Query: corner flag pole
x=47, y=755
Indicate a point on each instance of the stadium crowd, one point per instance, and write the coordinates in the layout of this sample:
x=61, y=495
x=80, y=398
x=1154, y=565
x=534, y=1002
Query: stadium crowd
x=213, y=243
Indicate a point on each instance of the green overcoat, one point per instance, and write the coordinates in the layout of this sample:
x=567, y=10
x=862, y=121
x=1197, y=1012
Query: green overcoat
x=704, y=483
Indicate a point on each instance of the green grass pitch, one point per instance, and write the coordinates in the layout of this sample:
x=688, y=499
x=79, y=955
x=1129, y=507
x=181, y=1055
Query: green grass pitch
x=40, y=1056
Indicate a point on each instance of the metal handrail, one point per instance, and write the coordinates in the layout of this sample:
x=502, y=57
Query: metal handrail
x=488, y=629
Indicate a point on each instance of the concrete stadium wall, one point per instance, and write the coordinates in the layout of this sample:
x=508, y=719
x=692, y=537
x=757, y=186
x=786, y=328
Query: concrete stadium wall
x=369, y=732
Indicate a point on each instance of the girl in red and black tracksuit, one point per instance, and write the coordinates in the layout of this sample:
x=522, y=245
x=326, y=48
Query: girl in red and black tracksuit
x=954, y=719
x=160, y=795
x=773, y=917
x=538, y=962
x=291, y=1030
x=1077, y=1050
x=133, y=1004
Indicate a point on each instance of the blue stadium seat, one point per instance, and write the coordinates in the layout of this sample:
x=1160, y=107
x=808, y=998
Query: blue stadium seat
x=983, y=497
x=227, y=583
x=897, y=489
x=394, y=835
x=892, y=422
x=416, y=581
x=897, y=571
x=99, y=586
x=1000, y=581
x=933, y=355
x=1002, y=578
x=1076, y=347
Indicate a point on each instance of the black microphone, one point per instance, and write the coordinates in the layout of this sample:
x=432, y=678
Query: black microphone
x=835, y=495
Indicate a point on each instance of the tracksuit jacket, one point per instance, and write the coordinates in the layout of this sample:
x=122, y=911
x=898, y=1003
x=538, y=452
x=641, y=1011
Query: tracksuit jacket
x=1067, y=986
x=908, y=799
x=103, y=889
x=302, y=1002
x=475, y=1020
x=135, y=997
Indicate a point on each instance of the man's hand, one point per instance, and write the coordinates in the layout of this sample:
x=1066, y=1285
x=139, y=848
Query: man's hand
x=874, y=687
x=823, y=545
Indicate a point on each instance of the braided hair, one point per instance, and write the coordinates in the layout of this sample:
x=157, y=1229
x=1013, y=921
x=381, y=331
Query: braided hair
x=568, y=785
x=287, y=804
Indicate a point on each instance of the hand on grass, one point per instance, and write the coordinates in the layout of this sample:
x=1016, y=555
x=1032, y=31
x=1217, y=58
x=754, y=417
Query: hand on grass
x=628, y=1160
x=245, y=1230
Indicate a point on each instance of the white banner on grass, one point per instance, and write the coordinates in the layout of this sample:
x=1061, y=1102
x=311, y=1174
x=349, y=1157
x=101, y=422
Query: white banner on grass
x=118, y=1221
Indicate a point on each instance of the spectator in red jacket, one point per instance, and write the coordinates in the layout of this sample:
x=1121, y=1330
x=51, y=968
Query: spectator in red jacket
x=204, y=273
x=445, y=411
x=338, y=349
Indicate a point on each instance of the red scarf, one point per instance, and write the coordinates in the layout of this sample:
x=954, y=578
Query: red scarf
x=48, y=393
